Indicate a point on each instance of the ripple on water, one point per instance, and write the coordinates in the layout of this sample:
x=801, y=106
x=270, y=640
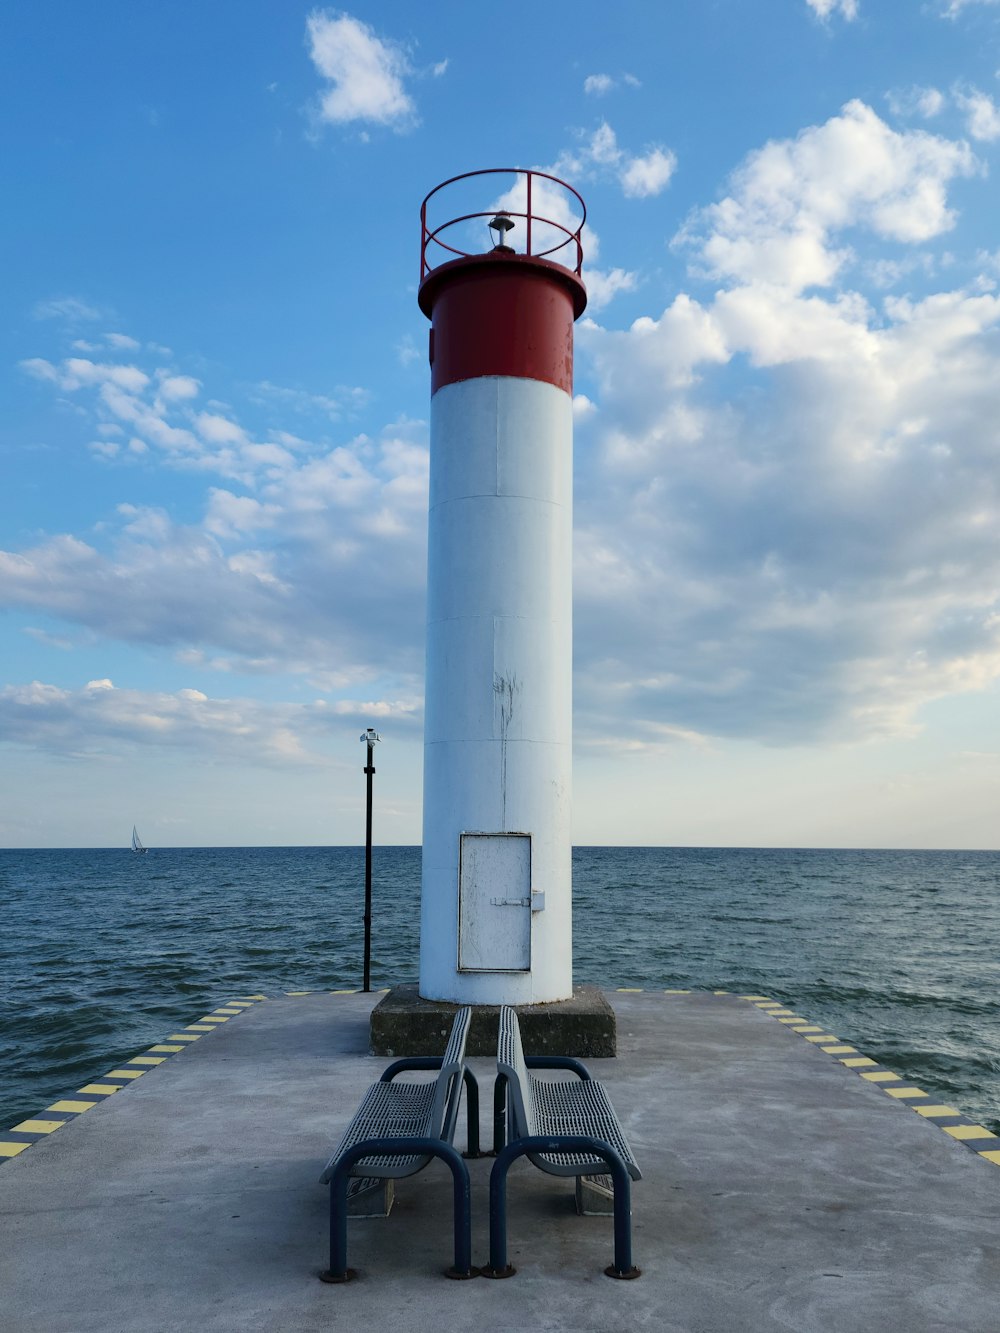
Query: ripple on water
x=102, y=952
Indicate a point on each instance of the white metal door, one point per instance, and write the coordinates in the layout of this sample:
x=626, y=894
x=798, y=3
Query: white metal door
x=494, y=902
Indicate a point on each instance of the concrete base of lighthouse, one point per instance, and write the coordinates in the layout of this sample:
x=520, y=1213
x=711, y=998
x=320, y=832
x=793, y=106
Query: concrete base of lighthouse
x=403, y=1023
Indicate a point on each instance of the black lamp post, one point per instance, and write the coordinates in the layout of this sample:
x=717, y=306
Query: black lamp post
x=369, y=738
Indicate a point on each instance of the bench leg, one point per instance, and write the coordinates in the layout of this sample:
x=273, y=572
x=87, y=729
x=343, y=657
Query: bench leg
x=472, y=1113
x=462, y=1201
x=498, y=1266
x=499, y=1113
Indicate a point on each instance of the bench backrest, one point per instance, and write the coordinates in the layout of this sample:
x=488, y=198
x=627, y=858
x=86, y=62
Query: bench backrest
x=448, y=1089
x=510, y=1063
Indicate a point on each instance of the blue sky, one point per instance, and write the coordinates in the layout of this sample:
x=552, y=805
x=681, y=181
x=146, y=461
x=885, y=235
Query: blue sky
x=214, y=434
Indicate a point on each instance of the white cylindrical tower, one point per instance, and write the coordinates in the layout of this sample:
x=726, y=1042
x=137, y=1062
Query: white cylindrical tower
x=496, y=900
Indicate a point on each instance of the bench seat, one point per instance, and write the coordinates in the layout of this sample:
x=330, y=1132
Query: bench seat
x=395, y=1132
x=388, y=1111
x=564, y=1126
x=583, y=1107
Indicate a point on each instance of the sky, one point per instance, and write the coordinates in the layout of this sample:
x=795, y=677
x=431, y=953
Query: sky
x=215, y=399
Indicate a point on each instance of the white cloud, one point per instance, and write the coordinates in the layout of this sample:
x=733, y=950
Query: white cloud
x=229, y=515
x=366, y=72
x=792, y=197
x=235, y=583
x=77, y=372
x=69, y=308
x=817, y=563
x=825, y=8
x=218, y=429
x=788, y=511
x=917, y=101
x=122, y=342
x=177, y=387
x=788, y=506
x=598, y=84
x=406, y=350
x=603, y=287
x=344, y=400
x=982, y=112
x=103, y=723
x=952, y=8
x=40, y=369
x=642, y=177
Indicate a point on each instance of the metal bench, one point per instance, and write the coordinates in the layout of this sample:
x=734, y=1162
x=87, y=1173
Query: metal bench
x=395, y=1132
x=567, y=1128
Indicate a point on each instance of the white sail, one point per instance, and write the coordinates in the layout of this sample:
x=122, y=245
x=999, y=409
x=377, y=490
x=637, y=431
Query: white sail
x=136, y=844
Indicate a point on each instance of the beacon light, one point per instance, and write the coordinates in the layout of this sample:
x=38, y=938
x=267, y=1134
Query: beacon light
x=502, y=224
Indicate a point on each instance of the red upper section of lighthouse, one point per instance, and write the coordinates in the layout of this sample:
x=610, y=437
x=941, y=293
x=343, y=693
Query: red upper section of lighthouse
x=502, y=312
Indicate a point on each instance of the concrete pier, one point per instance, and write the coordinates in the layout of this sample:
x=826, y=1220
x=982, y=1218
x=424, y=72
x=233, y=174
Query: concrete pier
x=782, y=1190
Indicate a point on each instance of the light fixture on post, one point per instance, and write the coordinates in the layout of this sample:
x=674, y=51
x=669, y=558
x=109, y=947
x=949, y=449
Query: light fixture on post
x=502, y=224
x=369, y=738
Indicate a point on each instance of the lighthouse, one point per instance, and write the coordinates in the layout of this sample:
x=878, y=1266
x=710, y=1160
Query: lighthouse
x=496, y=890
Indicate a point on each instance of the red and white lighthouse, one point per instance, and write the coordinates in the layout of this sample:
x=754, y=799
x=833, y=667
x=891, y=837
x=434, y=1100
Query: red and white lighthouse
x=496, y=898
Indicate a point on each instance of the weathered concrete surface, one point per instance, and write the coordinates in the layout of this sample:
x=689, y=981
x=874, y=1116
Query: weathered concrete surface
x=781, y=1192
x=404, y=1023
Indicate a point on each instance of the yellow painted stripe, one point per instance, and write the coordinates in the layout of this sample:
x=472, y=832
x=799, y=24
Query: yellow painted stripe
x=344, y=992
x=12, y=1149
x=253, y=997
x=630, y=990
x=148, y=1060
x=125, y=1073
x=200, y=1027
x=824, y=1039
x=677, y=992
x=811, y=1028
x=783, y=1013
x=300, y=992
x=993, y=1157
x=861, y=1062
x=239, y=1004
x=904, y=1092
x=942, y=1111
x=163, y=1046
x=184, y=1036
x=721, y=992
x=106, y=1088
x=67, y=1105
x=967, y=1132
x=38, y=1126
x=756, y=999
x=839, y=1050
x=882, y=1076
x=212, y=1020
x=795, y=1018
x=770, y=1004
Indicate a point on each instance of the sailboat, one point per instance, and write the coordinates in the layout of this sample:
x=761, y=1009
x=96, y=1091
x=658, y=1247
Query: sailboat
x=136, y=844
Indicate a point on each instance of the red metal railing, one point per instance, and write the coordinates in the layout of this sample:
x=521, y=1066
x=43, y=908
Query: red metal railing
x=432, y=238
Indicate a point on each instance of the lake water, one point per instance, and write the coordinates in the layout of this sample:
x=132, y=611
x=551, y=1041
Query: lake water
x=104, y=952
